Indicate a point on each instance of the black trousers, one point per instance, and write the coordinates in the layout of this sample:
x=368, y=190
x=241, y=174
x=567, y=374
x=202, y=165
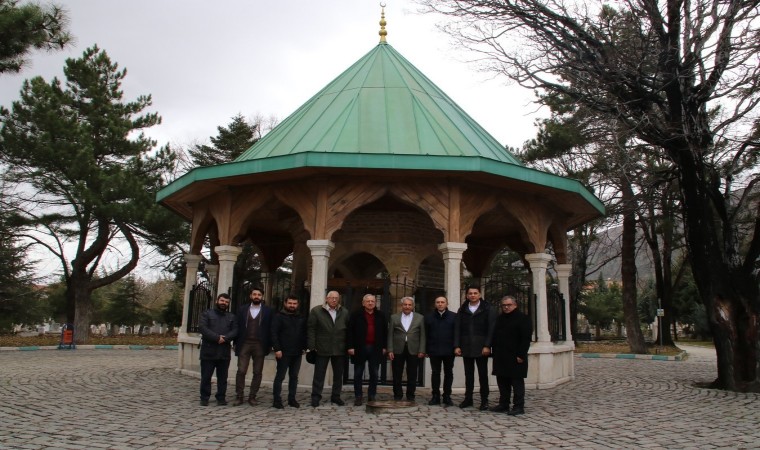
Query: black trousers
x=506, y=386
x=320, y=370
x=369, y=356
x=469, y=377
x=412, y=362
x=207, y=371
x=435, y=374
x=292, y=365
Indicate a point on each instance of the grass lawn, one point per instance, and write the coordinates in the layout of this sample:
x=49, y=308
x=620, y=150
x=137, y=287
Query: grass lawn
x=10, y=340
x=622, y=347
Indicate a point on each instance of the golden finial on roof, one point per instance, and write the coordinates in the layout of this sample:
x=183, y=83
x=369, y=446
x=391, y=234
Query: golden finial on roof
x=382, y=33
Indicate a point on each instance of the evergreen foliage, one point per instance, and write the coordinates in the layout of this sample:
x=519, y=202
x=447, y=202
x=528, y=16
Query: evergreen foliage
x=29, y=26
x=231, y=141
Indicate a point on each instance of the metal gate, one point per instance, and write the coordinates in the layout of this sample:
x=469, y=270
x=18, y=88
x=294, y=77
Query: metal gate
x=201, y=299
x=498, y=285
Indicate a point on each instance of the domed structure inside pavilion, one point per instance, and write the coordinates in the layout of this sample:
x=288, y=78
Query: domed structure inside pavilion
x=381, y=183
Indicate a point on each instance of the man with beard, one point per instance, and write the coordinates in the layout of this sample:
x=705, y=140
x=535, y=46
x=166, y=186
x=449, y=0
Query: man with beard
x=288, y=343
x=253, y=343
x=218, y=329
x=511, y=340
x=367, y=331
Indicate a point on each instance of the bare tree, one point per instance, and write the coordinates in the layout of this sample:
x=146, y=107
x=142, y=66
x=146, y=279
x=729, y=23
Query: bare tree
x=681, y=76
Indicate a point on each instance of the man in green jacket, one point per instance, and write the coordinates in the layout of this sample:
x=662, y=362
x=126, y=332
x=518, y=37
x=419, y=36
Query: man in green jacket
x=326, y=335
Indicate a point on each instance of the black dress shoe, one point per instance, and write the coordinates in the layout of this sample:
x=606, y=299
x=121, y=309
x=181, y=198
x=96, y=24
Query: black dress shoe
x=447, y=401
x=435, y=400
x=238, y=401
x=277, y=405
x=371, y=398
x=337, y=401
x=314, y=404
x=465, y=403
x=397, y=398
x=516, y=412
x=221, y=402
x=483, y=406
x=294, y=404
x=500, y=408
x=204, y=402
x=358, y=401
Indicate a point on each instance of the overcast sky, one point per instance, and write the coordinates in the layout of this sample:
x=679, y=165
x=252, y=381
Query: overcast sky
x=204, y=62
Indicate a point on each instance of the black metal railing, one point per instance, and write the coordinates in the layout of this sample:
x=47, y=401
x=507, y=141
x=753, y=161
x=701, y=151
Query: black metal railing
x=201, y=299
x=555, y=305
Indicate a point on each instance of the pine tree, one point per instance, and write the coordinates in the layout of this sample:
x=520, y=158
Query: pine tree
x=231, y=141
x=29, y=26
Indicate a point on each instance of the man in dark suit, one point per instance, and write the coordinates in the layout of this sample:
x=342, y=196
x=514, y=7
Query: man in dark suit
x=439, y=334
x=472, y=341
x=406, y=346
x=218, y=329
x=511, y=341
x=253, y=343
x=367, y=336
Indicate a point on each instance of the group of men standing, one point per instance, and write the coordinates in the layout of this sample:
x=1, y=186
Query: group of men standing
x=475, y=333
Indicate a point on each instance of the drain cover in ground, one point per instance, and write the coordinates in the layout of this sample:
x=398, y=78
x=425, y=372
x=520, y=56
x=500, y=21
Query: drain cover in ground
x=391, y=407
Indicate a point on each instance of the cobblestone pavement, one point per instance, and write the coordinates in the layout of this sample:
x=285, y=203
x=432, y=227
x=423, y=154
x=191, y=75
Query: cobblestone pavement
x=121, y=399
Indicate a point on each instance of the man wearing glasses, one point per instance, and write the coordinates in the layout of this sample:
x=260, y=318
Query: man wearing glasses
x=511, y=340
x=326, y=334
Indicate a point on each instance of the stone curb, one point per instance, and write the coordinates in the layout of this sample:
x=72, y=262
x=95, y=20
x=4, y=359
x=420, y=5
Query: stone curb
x=91, y=347
x=679, y=357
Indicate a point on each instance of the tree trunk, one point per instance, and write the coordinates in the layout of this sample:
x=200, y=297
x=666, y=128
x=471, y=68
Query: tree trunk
x=728, y=289
x=83, y=305
x=628, y=273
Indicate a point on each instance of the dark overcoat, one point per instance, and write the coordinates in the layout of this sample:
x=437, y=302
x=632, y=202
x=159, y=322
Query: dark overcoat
x=328, y=338
x=439, y=333
x=473, y=331
x=215, y=323
x=289, y=333
x=511, y=339
x=357, y=331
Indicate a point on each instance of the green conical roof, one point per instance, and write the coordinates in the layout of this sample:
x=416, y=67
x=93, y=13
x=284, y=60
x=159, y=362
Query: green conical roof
x=381, y=105
x=381, y=114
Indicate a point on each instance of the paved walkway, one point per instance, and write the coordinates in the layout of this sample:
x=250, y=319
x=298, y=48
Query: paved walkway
x=125, y=399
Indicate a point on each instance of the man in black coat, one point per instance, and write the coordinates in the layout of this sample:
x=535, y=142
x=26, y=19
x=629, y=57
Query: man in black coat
x=472, y=341
x=511, y=340
x=439, y=332
x=252, y=343
x=288, y=343
x=367, y=334
x=218, y=329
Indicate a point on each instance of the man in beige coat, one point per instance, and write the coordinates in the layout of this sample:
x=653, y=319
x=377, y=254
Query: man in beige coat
x=406, y=346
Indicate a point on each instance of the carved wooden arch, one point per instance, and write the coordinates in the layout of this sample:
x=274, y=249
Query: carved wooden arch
x=473, y=205
x=535, y=219
x=558, y=238
x=432, y=199
x=204, y=223
x=241, y=212
x=343, y=252
x=345, y=198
